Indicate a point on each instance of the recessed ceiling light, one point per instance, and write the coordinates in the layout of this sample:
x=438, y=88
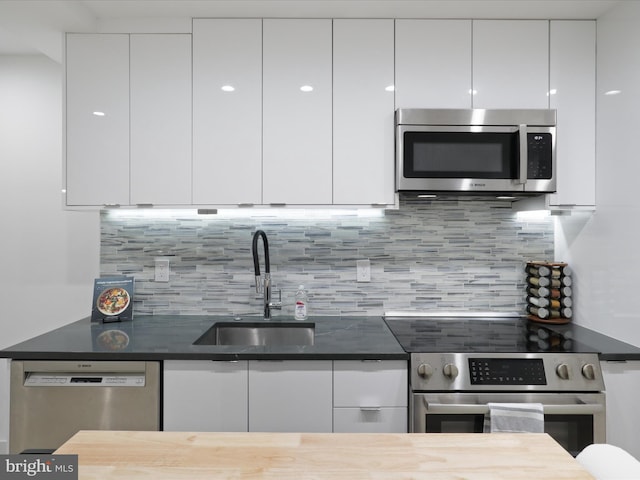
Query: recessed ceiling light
x=390, y=88
x=306, y=88
x=99, y=114
x=613, y=92
x=228, y=88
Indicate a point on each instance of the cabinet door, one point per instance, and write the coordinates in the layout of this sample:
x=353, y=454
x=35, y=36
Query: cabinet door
x=205, y=396
x=161, y=119
x=363, y=168
x=510, y=63
x=97, y=119
x=227, y=111
x=370, y=396
x=622, y=381
x=290, y=396
x=370, y=420
x=297, y=119
x=433, y=63
x=370, y=383
x=573, y=94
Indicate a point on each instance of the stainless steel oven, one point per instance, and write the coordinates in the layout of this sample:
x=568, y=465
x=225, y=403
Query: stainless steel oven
x=494, y=363
x=574, y=421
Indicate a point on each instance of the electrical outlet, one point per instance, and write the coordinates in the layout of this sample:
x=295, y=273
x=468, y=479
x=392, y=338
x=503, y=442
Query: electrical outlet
x=363, y=270
x=162, y=270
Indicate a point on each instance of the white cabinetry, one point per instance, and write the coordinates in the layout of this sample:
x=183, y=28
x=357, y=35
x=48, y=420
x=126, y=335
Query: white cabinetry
x=433, y=63
x=370, y=396
x=285, y=396
x=297, y=99
x=510, y=63
x=363, y=169
x=227, y=111
x=201, y=395
x=160, y=119
x=128, y=119
x=97, y=119
x=290, y=396
x=622, y=384
x=573, y=94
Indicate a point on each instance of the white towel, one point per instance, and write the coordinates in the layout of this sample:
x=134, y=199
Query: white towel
x=515, y=417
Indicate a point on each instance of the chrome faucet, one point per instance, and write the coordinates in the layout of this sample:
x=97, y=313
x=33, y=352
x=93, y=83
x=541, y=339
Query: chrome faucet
x=263, y=285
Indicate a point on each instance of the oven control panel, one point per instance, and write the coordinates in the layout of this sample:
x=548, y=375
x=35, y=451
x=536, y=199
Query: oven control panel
x=506, y=371
x=560, y=372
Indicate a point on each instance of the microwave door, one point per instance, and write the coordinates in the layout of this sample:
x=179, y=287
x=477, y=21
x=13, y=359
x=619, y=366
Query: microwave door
x=459, y=158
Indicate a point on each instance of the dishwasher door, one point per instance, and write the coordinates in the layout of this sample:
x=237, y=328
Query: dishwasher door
x=52, y=400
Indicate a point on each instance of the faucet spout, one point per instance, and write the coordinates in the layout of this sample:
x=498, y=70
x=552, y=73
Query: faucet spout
x=263, y=287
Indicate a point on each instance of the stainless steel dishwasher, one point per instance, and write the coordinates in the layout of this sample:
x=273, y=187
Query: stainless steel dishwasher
x=52, y=400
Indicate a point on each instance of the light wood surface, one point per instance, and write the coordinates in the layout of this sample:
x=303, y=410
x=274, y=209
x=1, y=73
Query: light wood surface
x=193, y=456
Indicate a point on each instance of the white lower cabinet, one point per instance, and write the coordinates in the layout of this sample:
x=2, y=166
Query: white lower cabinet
x=205, y=396
x=290, y=396
x=285, y=396
x=622, y=384
x=370, y=396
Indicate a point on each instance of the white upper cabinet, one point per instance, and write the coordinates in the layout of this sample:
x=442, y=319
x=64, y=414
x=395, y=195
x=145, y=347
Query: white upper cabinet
x=363, y=169
x=510, y=63
x=573, y=94
x=161, y=119
x=97, y=119
x=297, y=100
x=227, y=111
x=433, y=63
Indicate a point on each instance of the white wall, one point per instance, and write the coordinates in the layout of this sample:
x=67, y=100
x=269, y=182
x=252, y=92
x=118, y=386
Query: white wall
x=48, y=257
x=604, y=248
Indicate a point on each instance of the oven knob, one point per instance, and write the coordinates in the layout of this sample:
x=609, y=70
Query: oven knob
x=589, y=371
x=450, y=371
x=562, y=371
x=425, y=370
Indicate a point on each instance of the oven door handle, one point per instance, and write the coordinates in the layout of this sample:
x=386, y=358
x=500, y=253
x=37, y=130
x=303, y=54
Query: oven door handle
x=479, y=409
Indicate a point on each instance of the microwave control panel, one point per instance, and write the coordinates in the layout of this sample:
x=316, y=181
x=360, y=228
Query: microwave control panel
x=539, y=156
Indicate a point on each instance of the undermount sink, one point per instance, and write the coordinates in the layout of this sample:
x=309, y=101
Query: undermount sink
x=258, y=333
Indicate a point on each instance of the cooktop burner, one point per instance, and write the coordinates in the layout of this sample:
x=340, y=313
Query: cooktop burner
x=481, y=333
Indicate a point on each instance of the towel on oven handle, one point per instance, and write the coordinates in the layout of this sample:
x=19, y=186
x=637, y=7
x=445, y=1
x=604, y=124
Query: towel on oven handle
x=514, y=417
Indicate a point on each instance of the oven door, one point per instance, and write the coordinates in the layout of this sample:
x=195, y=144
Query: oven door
x=574, y=420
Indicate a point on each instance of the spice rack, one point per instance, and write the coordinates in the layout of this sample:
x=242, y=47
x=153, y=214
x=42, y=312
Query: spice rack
x=549, y=292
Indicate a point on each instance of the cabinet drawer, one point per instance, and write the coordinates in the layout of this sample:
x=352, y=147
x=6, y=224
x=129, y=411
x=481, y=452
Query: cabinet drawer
x=370, y=420
x=358, y=383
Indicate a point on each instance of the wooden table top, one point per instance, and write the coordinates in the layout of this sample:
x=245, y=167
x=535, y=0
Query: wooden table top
x=350, y=456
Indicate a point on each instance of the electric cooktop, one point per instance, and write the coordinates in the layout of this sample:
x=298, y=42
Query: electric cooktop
x=481, y=332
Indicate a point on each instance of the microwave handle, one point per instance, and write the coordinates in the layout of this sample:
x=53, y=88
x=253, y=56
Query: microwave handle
x=523, y=155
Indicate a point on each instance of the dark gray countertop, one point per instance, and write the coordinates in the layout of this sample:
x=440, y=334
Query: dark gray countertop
x=162, y=337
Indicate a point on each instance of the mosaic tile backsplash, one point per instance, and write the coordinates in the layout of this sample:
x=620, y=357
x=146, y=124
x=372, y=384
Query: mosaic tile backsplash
x=456, y=254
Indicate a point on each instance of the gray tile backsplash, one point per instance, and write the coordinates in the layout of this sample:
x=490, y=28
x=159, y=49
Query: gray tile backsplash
x=454, y=254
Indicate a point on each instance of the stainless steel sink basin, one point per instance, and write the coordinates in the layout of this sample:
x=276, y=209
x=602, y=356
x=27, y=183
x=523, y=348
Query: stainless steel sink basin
x=258, y=333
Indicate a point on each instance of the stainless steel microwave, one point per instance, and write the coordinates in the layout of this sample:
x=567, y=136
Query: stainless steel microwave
x=476, y=151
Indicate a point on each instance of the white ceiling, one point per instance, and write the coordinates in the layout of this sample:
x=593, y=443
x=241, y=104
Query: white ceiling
x=35, y=26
